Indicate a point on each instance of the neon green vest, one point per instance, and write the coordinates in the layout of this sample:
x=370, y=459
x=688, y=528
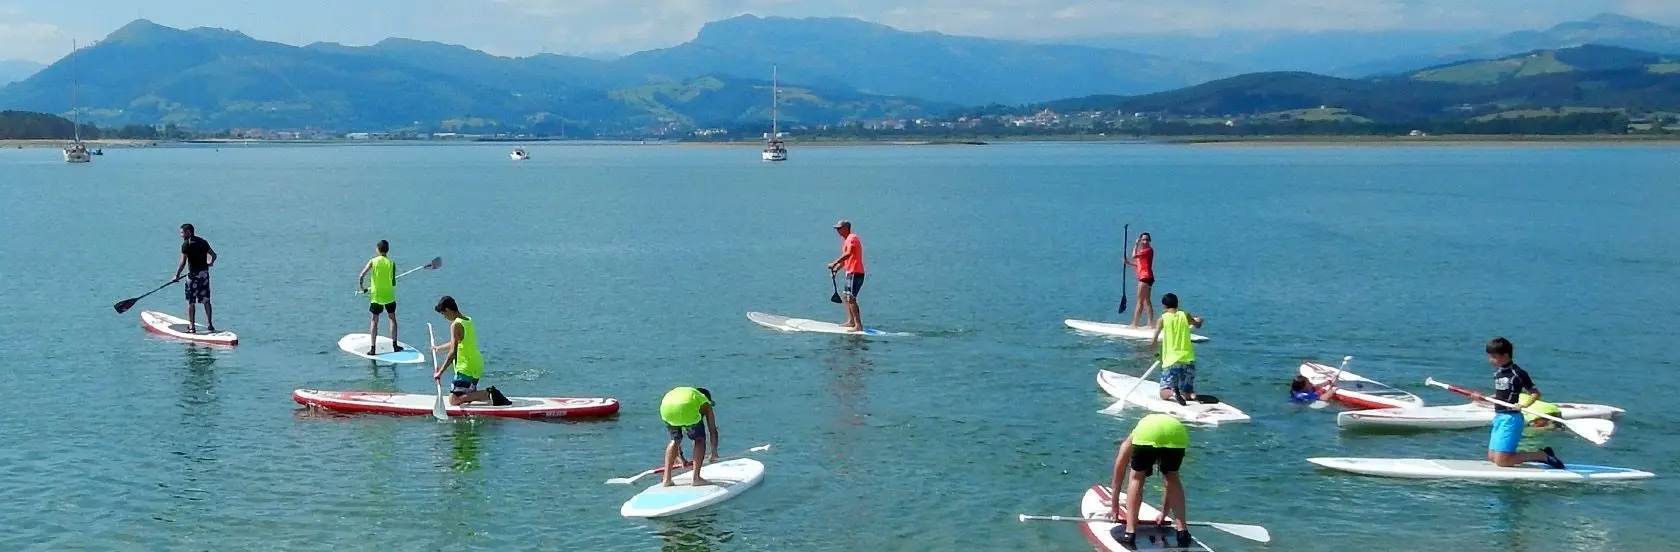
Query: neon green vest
x=382, y=289
x=467, y=360
x=1175, y=339
x=1161, y=431
x=681, y=407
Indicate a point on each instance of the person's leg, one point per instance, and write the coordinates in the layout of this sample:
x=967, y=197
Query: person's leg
x=192, y=317
x=391, y=312
x=204, y=295
x=373, y=328
x=1502, y=443
x=1171, y=461
x=697, y=433
x=1145, y=302
x=671, y=450
x=1169, y=381
x=1142, y=302
x=1187, y=380
x=1134, y=499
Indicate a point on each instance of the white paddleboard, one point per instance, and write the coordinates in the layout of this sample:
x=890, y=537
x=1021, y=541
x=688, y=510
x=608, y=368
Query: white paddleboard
x=1148, y=395
x=1458, y=416
x=1095, y=504
x=786, y=324
x=728, y=479
x=1421, y=468
x=1358, y=390
x=357, y=344
x=177, y=327
x=1126, y=331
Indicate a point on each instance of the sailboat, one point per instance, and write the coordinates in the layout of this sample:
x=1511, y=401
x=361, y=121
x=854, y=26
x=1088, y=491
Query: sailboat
x=774, y=149
x=77, y=152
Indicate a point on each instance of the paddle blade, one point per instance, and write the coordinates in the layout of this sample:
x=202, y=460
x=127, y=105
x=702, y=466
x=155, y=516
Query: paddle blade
x=1592, y=429
x=1318, y=405
x=437, y=262
x=834, y=298
x=1122, y=304
x=438, y=410
x=1114, y=409
x=125, y=304
x=1254, y=533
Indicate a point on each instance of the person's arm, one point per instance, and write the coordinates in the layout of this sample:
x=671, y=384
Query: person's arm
x=1122, y=462
x=711, y=430
x=181, y=266
x=1194, y=320
x=1155, y=337
x=363, y=276
x=1533, y=392
x=212, y=251
x=845, y=253
x=455, y=336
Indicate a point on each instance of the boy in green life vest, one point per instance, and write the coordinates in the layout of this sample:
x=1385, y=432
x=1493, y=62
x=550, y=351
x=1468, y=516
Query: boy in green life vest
x=1178, y=356
x=688, y=411
x=463, y=355
x=382, y=295
x=1157, y=440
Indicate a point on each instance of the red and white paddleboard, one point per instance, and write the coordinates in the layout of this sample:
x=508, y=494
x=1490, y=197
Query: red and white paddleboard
x=1150, y=536
x=419, y=404
x=172, y=326
x=1356, y=390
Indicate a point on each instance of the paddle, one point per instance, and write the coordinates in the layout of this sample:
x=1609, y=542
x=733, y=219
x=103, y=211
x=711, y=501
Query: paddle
x=1125, y=245
x=438, y=410
x=634, y=478
x=836, y=297
x=435, y=263
x=1122, y=402
x=1254, y=533
x=1592, y=429
x=125, y=304
x=1320, y=402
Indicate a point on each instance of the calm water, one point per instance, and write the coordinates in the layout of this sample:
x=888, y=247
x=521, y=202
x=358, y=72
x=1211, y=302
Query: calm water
x=624, y=271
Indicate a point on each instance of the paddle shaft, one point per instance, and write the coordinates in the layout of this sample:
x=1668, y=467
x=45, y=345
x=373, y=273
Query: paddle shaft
x=439, y=410
x=1479, y=396
x=124, y=305
x=1139, y=383
x=434, y=264
x=1330, y=387
x=1125, y=249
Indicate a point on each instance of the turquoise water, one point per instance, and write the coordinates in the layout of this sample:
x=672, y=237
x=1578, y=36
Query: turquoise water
x=626, y=270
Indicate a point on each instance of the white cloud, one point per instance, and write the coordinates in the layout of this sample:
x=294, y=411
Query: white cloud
x=32, y=41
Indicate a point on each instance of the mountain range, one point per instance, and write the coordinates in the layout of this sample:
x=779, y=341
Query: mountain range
x=832, y=70
x=1540, y=82
x=13, y=70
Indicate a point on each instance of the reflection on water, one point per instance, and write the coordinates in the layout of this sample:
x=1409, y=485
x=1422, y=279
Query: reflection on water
x=1524, y=523
x=193, y=447
x=692, y=532
x=465, y=444
x=464, y=494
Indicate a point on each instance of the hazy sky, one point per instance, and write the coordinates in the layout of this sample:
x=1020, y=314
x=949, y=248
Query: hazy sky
x=41, y=30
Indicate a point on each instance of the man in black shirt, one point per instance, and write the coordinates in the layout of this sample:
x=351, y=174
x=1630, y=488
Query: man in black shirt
x=196, y=257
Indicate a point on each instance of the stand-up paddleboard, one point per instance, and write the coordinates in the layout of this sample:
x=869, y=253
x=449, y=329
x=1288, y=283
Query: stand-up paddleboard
x=1421, y=468
x=1458, y=416
x=1126, y=331
x=1148, y=395
x=172, y=326
x=357, y=344
x=1357, y=390
x=419, y=404
x=786, y=324
x=1095, y=504
x=728, y=479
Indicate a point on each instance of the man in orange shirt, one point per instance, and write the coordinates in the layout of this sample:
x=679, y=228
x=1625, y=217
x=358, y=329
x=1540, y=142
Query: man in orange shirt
x=851, y=260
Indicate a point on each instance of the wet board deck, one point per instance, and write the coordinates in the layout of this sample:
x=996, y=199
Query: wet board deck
x=1126, y=331
x=1095, y=504
x=1424, y=468
x=420, y=404
x=786, y=324
x=357, y=344
x=727, y=479
x=173, y=326
x=1147, y=394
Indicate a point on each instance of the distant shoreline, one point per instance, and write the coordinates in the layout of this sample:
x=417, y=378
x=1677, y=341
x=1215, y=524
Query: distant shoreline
x=1216, y=141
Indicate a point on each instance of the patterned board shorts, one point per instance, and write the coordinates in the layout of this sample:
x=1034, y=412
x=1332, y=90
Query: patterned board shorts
x=198, y=287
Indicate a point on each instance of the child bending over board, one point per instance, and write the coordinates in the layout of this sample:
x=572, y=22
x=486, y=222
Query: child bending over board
x=1157, y=440
x=688, y=411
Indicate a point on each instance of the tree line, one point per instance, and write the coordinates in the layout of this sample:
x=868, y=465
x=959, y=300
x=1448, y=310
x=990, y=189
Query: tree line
x=29, y=125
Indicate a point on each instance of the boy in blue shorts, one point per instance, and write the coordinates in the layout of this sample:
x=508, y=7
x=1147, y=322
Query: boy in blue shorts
x=1511, y=384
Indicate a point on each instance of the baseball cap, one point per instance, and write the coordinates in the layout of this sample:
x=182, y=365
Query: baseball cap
x=843, y=224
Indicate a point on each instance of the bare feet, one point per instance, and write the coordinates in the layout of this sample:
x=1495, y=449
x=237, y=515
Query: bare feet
x=698, y=482
x=666, y=482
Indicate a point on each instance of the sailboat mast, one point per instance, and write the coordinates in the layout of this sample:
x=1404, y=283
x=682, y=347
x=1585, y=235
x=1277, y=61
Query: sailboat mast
x=774, y=97
x=75, y=110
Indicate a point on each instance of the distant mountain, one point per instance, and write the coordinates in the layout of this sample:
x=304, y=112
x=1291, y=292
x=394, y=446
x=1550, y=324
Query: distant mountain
x=1582, y=77
x=882, y=60
x=13, y=70
x=1605, y=29
x=212, y=78
x=1326, y=52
